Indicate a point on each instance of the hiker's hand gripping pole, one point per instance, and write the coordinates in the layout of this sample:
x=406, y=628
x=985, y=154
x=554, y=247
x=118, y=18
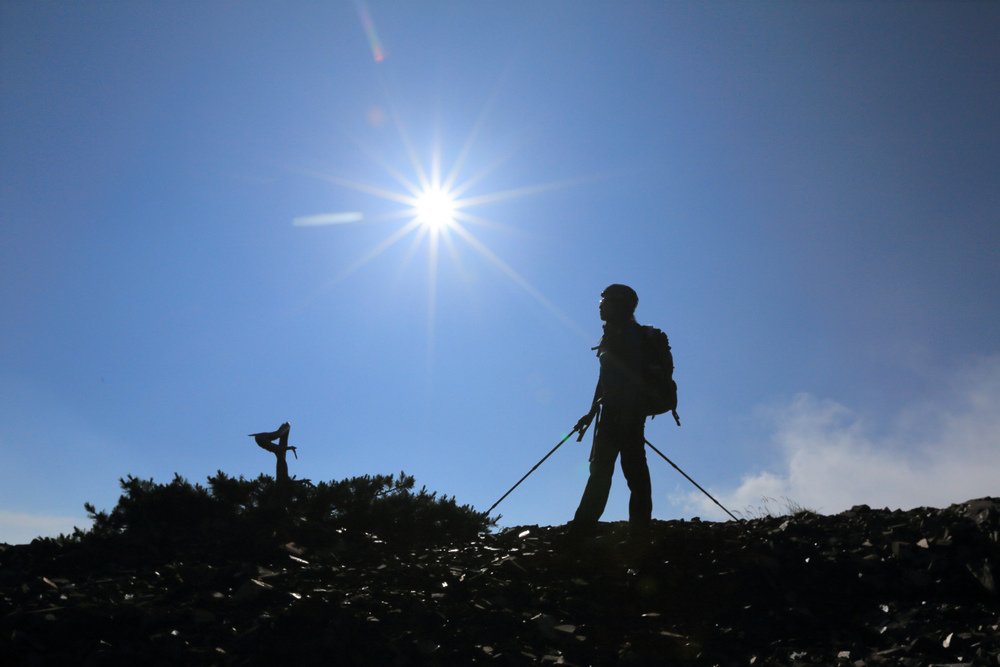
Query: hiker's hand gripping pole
x=584, y=423
x=533, y=468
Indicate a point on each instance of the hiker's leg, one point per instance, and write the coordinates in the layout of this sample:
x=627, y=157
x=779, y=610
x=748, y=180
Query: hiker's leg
x=636, y=470
x=595, y=495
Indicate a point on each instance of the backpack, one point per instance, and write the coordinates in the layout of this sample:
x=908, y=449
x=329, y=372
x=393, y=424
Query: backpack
x=659, y=388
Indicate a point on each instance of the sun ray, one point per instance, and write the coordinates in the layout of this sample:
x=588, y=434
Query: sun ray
x=367, y=188
x=449, y=242
x=470, y=140
x=514, y=193
x=411, y=152
x=411, y=250
x=465, y=216
x=463, y=155
x=435, y=182
x=432, y=276
x=382, y=246
x=396, y=174
x=465, y=185
x=472, y=180
x=519, y=280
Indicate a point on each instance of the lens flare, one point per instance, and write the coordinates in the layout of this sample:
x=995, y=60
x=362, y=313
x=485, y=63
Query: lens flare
x=378, y=54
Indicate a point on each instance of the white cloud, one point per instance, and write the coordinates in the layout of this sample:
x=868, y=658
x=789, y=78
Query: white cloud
x=21, y=528
x=933, y=455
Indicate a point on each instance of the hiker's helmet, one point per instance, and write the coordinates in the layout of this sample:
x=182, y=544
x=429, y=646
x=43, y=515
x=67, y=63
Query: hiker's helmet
x=618, y=302
x=621, y=293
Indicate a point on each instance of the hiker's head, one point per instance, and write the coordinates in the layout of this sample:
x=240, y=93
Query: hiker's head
x=618, y=303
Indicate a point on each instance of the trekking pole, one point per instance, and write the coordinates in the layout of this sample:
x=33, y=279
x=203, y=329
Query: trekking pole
x=664, y=456
x=532, y=470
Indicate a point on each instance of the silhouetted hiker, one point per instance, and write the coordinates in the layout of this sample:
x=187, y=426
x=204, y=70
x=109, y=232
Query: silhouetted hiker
x=619, y=408
x=265, y=441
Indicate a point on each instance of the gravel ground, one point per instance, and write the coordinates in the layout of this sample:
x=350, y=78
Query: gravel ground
x=865, y=587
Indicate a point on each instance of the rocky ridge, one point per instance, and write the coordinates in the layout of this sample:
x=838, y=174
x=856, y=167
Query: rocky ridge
x=864, y=587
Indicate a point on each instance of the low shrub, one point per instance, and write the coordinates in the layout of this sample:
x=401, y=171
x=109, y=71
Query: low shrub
x=237, y=515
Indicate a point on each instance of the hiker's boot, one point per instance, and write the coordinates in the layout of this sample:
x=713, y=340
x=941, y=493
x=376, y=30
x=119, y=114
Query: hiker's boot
x=577, y=535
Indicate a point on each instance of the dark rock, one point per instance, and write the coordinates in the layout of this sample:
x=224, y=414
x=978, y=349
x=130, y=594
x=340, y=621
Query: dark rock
x=864, y=587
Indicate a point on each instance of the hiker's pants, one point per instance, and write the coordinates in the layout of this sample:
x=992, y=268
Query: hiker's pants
x=616, y=435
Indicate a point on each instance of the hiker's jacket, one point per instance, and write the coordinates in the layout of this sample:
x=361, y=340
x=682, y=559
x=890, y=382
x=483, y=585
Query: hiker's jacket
x=620, y=382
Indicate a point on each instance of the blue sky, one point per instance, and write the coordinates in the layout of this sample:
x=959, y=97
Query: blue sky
x=806, y=197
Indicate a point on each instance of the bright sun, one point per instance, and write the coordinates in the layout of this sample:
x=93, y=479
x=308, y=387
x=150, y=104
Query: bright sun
x=435, y=209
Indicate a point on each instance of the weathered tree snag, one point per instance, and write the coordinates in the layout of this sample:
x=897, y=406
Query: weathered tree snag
x=280, y=450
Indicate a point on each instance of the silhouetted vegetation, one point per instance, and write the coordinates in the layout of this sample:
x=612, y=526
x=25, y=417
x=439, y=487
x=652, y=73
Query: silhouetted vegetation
x=770, y=508
x=234, y=514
